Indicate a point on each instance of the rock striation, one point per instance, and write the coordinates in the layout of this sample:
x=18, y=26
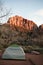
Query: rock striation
x=22, y=23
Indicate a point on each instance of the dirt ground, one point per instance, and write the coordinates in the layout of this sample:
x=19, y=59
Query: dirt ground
x=30, y=60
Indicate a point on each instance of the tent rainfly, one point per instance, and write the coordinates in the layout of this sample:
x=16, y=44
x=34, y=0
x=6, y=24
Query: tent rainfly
x=13, y=52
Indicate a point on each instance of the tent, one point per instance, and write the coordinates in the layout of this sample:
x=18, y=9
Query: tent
x=14, y=52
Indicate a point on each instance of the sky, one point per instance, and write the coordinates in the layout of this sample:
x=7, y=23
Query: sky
x=29, y=9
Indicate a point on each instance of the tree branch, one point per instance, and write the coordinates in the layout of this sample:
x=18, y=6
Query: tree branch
x=5, y=14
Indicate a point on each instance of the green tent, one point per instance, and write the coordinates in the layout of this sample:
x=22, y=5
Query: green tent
x=14, y=52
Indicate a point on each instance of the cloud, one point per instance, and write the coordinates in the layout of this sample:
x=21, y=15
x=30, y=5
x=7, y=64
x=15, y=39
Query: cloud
x=37, y=17
x=39, y=12
x=38, y=20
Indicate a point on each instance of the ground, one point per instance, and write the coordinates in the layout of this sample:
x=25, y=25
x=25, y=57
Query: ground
x=30, y=60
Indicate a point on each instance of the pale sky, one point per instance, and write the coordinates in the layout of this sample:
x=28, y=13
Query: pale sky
x=30, y=9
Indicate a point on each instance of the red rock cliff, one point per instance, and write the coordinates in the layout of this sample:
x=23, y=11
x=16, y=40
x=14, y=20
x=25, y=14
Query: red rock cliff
x=21, y=22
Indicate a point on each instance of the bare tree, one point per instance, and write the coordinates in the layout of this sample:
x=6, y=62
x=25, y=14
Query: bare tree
x=3, y=11
x=7, y=13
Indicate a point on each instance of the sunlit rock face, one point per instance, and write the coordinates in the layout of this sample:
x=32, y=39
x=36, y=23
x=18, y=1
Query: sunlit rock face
x=21, y=22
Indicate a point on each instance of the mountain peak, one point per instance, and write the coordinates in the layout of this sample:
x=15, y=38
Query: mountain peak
x=21, y=22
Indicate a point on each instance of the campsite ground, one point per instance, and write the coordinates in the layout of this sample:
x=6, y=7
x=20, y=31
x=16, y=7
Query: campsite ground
x=30, y=60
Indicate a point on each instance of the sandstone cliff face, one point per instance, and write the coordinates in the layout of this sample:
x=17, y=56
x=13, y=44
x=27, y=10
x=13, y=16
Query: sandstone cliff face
x=20, y=22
